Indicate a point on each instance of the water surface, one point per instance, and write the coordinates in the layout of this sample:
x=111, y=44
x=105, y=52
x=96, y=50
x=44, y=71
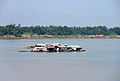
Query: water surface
x=100, y=61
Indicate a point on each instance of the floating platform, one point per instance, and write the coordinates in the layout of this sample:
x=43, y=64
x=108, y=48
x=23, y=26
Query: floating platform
x=57, y=47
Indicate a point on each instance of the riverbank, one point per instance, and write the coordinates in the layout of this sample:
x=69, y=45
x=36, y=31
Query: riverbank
x=57, y=36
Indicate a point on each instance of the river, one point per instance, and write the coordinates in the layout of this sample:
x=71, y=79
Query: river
x=100, y=61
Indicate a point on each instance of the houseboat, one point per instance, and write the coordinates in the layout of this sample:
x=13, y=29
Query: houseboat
x=57, y=47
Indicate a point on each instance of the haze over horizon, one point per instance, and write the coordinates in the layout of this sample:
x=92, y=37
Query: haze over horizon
x=60, y=12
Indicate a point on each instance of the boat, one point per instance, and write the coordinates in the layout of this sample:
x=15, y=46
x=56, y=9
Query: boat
x=56, y=47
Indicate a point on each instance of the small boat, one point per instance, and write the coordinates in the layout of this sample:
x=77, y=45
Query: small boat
x=57, y=47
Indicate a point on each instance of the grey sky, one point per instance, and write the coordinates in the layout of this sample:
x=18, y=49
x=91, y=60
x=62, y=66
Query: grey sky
x=60, y=12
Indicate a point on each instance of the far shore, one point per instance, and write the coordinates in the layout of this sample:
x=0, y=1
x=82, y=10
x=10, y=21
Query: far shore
x=59, y=36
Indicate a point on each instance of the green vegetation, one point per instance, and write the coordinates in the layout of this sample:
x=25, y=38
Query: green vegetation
x=18, y=30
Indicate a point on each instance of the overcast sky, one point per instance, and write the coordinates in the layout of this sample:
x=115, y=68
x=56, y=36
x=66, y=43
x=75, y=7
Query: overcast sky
x=60, y=12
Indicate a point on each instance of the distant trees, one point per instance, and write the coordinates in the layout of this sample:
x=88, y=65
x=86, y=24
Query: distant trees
x=17, y=30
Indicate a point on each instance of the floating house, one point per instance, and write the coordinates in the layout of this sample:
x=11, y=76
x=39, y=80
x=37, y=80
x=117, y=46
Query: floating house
x=57, y=47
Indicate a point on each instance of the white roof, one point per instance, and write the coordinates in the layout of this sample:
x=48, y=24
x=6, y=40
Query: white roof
x=74, y=46
x=40, y=47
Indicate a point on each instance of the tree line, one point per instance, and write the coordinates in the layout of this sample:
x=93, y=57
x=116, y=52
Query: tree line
x=18, y=30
